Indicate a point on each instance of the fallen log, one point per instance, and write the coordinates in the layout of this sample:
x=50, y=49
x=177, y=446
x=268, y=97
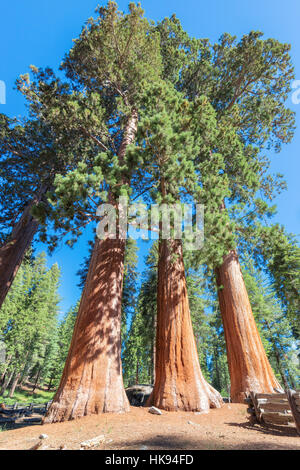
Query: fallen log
x=271, y=406
x=277, y=418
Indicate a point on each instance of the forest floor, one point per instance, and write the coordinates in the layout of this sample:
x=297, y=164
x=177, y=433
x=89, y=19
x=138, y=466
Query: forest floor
x=225, y=428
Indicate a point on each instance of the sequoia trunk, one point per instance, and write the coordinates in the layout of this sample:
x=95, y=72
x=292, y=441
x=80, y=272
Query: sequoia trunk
x=179, y=383
x=12, y=252
x=92, y=378
x=248, y=364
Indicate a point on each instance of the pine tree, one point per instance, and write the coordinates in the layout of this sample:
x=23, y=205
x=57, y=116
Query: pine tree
x=30, y=316
x=247, y=83
x=139, y=347
x=274, y=326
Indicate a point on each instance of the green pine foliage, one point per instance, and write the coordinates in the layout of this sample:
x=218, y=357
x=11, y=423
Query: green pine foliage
x=276, y=331
x=208, y=115
x=28, y=320
x=139, y=344
x=105, y=73
x=247, y=82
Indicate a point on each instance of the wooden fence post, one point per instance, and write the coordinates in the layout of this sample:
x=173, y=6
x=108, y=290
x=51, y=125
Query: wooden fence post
x=256, y=407
x=294, y=408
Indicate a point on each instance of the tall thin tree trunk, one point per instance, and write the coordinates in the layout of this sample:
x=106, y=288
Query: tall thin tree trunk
x=137, y=372
x=92, y=380
x=280, y=368
x=154, y=347
x=12, y=252
x=36, y=380
x=3, y=375
x=6, y=383
x=248, y=364
x=25, y=369
x=179, y=383
x=217, y=369
x=14, y=384
x=50, y=384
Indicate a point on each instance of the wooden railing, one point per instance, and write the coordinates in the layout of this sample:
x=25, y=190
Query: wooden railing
x=276, y=408
x=11, y=413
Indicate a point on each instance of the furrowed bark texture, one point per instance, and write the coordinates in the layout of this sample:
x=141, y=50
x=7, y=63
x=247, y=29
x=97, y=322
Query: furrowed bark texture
x=249, y=366
x=92, y=379
x=179, y=383
x=12, y=252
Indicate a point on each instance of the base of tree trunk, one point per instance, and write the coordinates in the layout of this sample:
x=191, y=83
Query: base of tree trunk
x=92, y=379
x=248, y=364
x=179, y=383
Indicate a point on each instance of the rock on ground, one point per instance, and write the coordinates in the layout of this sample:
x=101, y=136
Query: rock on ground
x=95, y=442
x=154, y=411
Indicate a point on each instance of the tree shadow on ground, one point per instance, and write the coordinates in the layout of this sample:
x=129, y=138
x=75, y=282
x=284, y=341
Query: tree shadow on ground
x=267, y=429
x=22, y=424
x=162, y=442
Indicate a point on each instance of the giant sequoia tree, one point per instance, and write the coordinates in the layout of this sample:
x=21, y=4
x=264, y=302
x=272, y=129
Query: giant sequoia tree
x=247, y=82
x=201, y=135
x=105, y=70
x=171, y=132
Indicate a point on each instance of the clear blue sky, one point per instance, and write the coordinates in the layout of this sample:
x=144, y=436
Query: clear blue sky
x=40, y=32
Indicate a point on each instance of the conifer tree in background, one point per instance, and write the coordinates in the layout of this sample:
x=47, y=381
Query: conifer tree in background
x=247, y=82
x=274, y=325
x=106, y=70
x=277, y=253
x=59, y=347
x=139, y=346
x=129, y=286
x=28, y=318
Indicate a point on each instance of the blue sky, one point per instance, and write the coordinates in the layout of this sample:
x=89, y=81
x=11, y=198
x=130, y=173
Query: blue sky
x=40, y=33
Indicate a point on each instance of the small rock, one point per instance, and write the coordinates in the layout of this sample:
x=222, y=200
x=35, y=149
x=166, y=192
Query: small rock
x=143, y=448
x=95, y=442
x=155, y=411
x=205, y=412
x=63, y=447
x=193, y=424
x=43, y=436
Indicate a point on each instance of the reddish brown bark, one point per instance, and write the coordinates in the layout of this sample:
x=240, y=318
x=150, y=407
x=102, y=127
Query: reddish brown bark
x=179, y=383
x=12, y=252
x=249, y=367
x=92, y=379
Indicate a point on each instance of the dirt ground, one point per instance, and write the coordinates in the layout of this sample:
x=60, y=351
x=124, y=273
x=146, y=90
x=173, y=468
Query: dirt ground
x=226, y=428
